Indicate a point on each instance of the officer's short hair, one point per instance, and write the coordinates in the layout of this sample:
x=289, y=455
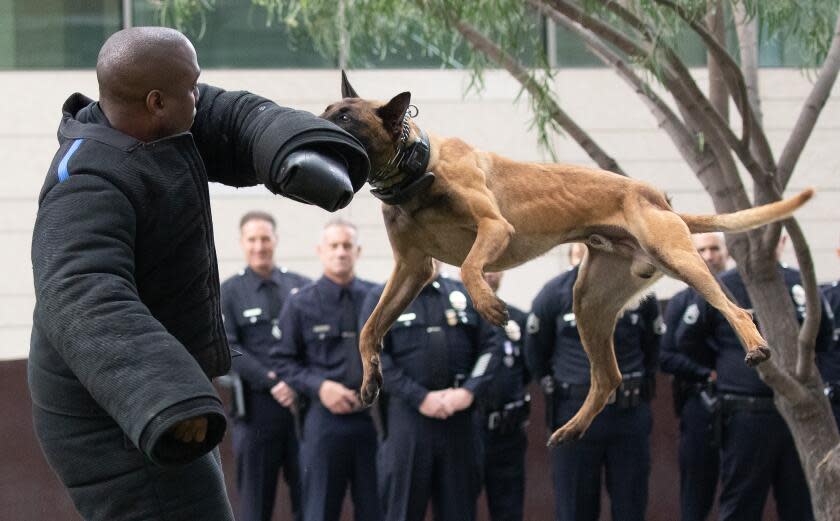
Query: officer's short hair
x=339, y=221
x=257, y=215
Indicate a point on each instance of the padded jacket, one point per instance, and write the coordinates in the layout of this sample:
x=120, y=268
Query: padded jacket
x=127, y=320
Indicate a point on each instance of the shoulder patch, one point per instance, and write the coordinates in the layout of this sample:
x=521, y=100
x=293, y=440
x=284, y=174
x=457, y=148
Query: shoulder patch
x=692, y=313
x=533, y=324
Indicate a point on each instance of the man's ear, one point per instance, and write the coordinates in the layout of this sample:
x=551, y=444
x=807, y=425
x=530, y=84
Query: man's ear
x=392, y=112
x=347, y=90
x=154, y=101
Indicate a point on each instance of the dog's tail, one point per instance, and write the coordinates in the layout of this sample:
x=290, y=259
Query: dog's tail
x=747, y=219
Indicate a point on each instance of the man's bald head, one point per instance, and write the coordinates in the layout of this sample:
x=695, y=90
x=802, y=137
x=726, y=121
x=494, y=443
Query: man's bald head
x=145, y=72
x=712, y=247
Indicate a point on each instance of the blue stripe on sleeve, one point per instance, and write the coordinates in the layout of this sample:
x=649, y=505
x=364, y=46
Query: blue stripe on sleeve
x=63, y=173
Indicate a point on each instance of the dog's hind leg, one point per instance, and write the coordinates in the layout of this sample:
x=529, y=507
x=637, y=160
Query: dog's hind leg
x=665, y=238
x=603, y=287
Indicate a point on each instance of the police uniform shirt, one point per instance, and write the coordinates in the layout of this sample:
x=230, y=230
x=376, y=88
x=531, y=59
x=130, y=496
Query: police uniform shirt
x=553, y=344
x=709, y=329
x=247, y=303
x=313, y=347
x=439, y=332
x=828, y=361
x=510, y=376
x=690, y=362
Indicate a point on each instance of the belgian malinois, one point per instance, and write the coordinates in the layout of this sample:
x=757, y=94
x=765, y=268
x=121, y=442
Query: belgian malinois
x=446, y=200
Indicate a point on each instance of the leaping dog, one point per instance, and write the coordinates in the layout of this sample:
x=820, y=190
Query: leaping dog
x=447, y=200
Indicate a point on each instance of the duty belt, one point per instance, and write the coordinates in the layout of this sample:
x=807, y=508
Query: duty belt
x=510, y=416
x=628, y=394
x=741, y=402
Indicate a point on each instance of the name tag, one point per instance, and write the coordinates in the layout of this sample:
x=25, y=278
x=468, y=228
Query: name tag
x=348, y=334
x=407, y=317
x=433, y=329
x=253, y=312
x=321, y=328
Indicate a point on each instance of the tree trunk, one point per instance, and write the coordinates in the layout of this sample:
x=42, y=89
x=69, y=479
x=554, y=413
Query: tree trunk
x=809, y=417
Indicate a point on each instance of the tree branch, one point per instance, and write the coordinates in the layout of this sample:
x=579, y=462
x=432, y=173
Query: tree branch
x=481, y=43
x=807, y=339
x=682, y=84
x=667, y=119
x=732, y=75
x=747, y=29
x=811, y=110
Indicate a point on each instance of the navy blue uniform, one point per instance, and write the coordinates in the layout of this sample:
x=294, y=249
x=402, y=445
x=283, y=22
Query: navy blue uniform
x=757, y=449
x=618, y=439
x=691, y=367
x=438, y=342
x=264, y=440
x=829, y=361
x=320, y=343
x=503, y=415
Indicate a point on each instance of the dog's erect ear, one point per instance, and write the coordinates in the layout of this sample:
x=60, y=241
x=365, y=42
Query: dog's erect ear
x=347, y=90
x=392, y=112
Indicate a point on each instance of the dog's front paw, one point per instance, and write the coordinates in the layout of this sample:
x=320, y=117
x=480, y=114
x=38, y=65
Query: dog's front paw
x=757, y=356
x=566, y=434
x=371, y=383
x=493, y=309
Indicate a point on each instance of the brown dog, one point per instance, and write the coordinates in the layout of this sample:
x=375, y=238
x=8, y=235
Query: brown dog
x=474, y=209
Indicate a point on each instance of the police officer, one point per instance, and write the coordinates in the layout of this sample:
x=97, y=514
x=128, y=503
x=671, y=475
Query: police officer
x=318, y=356
x=829, y=361
x=504, y=410
x=757, y=449
x=437, y=359
x=693, y=391
x=618, y=439
x=264, y=439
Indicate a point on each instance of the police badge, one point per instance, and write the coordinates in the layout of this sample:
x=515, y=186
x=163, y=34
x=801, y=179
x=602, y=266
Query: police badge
x=458, y=300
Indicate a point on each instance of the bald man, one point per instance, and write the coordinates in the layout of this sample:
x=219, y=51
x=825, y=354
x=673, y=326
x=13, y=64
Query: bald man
x=127, y=330
x=693, y=376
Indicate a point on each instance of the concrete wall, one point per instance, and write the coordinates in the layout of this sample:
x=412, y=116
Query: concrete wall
x=492, y=120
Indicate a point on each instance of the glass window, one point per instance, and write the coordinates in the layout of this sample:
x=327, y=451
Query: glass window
x=55, y=34
x=236, y=35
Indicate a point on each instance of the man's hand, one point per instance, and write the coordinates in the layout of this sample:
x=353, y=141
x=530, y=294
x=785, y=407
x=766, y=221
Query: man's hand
x=284, y=394
x=190, y=430
x=337, y=398
x=434, y=405
x=457, y=400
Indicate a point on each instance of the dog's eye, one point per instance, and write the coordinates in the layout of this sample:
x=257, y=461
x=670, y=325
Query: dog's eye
x=344, y=117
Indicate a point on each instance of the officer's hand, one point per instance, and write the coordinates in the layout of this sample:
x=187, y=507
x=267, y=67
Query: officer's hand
x=457, y=400
x=337, y=398
x=284, y=394
x=190, y=430
x=713, y=376
x=434, y=405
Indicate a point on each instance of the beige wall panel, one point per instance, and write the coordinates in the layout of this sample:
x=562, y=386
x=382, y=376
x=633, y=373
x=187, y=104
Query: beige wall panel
x=14, y=342
x=26, y=161
x=17, y=310
x=490, y=120
x=16, y=265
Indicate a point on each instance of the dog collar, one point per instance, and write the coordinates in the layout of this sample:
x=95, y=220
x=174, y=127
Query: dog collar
x=407, y=169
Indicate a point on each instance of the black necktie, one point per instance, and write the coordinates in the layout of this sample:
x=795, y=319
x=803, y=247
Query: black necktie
x=438, y=354
x=348, y=327
x=275, y=302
